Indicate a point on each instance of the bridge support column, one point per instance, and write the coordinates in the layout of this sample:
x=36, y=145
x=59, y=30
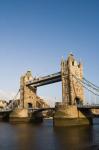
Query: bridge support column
x=19, y=115
x=23, y=115
x=36, y=117
x=70, y=116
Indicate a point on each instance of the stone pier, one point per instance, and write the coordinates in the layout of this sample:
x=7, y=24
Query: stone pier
x=70, y=116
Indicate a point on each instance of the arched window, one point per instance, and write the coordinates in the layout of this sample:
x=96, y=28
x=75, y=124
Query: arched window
x=29, y=105
x=73, y=63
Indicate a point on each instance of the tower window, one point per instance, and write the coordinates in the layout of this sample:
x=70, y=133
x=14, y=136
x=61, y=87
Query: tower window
x=73, y=63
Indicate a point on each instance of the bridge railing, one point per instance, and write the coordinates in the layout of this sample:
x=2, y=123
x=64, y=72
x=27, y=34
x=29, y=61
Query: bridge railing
x=88, y=106
x=43, y=78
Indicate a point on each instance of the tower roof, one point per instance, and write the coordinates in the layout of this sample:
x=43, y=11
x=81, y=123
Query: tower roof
x=71, y=56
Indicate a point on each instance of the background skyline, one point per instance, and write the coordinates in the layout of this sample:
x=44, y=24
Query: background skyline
x=35, y=34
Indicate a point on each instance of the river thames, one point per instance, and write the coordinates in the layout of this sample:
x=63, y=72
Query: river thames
x=45, y=137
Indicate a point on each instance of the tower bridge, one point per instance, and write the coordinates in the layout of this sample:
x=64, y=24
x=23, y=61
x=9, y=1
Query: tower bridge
x=72, y=110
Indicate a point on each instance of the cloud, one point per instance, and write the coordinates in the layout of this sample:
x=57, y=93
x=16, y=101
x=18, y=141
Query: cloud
x=7, y=95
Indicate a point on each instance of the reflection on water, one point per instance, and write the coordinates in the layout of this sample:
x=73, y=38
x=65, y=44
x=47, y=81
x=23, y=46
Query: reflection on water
x=45, y=137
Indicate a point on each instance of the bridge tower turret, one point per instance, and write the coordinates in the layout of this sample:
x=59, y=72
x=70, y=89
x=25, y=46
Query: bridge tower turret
x=27, y=95
x=72, y=90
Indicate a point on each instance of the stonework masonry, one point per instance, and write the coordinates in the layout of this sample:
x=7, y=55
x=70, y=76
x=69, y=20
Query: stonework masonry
x=69, y=116
x=71, y=88
x=28, y=95
x=67, y=113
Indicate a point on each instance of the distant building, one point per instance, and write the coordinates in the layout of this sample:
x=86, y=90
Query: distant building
x=3, y=104
x=14, y=103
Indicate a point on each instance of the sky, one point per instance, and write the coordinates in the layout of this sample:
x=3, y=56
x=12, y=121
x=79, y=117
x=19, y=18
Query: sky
x=36, y=34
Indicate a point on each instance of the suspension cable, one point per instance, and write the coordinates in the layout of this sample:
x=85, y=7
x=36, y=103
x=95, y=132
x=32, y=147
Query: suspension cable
x=82, y=83
x=86, y=83
x=16, y=95
x=12, y=102
x=91, y=84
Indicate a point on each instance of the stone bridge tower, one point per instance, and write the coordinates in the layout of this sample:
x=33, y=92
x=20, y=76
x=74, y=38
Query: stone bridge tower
x=28, y=95
x=67, y=113
x=72, y=90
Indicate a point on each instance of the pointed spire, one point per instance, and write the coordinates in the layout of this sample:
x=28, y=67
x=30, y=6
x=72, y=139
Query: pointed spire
x=62, y=59
x=71, y=53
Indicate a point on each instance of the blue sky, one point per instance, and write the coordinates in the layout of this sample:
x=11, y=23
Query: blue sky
x=35, y=34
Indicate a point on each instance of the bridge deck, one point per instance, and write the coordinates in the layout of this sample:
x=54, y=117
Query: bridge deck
x=5, y=110
x=56, y=77
x=88, y=106
x=30, y=109
x=41, y=109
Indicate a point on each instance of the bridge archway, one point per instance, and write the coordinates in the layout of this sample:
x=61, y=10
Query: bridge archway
x=51, y=93
x=30, y=105
x=78, y=100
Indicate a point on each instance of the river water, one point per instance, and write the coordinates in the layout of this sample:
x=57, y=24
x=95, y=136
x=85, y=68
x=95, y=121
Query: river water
x=45, y=137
